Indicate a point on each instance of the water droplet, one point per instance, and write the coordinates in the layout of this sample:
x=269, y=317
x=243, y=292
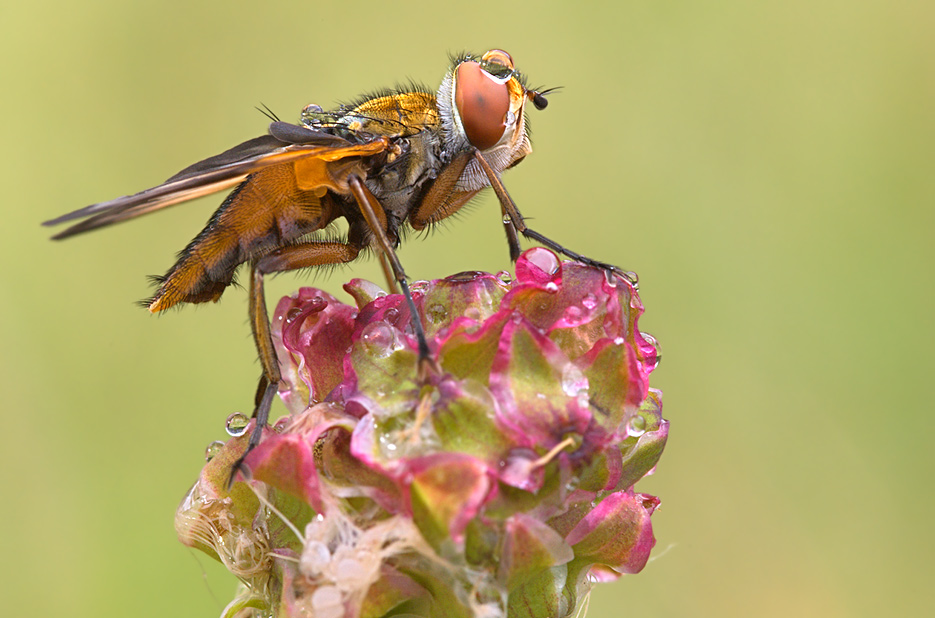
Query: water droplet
x=312, y=115
x=551, y=286
x=419, y=287
x=573, y=381
x=464, y=277
x=293, y=314
x=505, y=277
x=636, y=426
x=572, y=314
x=436, y=312
x=379, y=338
x=507, y=220
x=213, y=449
x=236, y=424
x=654, y=355
x=589, y=301
x=391, y=315
x=544, y=260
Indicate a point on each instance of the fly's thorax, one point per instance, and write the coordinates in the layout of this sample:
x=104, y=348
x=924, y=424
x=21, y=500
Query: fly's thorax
x=412, y=162
x=410, y=120
x=401, y=114
x=481, y=105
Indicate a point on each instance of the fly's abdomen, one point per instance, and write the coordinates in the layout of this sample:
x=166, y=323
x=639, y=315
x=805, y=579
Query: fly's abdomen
x=264, y=213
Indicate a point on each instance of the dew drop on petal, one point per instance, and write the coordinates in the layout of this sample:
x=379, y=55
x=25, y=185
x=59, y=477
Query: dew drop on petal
x=572, y=313
x=551, y=286
x=391, y=315
x=379, y=338
x=589, y=301
x=636, y=426
x=505, y=277
x=573, y=380
x=657, y=350
x=236, y=424
x=213, y=449
x=544, y=260
x=436, y=313
x=466, y=276
x=292, y=314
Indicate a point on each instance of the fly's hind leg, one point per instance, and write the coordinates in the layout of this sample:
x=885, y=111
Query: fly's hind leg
x=292, y=257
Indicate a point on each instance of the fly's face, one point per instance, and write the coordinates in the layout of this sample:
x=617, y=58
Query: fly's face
x=481, y=103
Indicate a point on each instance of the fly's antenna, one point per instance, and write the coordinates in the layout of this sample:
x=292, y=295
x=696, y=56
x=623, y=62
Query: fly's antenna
x=538, y=96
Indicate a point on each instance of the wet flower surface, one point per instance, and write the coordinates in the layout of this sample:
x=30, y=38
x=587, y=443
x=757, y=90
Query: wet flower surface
x=499, y=482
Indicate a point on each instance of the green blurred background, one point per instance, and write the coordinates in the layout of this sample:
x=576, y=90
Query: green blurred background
x=767, y=168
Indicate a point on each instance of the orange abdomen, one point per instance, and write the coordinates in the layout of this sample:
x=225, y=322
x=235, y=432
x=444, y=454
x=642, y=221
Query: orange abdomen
x=265, y=212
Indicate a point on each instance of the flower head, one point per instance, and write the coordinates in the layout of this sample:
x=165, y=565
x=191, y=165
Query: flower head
x=499, y=485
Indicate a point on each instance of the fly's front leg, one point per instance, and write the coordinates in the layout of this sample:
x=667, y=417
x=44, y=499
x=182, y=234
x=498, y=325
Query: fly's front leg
x=443, y=200
x=511, y=212
x=512, y=240
x=376, y=221
x=287, y=258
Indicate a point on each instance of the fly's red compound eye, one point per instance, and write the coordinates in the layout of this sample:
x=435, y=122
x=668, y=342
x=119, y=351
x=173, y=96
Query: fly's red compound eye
x=483, y=101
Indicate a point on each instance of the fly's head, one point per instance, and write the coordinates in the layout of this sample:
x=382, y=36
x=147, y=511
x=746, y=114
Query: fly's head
x=482, y=103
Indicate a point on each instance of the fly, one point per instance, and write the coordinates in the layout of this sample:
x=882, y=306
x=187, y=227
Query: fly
x=402, y=158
